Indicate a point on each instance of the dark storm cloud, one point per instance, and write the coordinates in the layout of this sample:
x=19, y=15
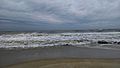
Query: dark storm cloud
x=71, y=14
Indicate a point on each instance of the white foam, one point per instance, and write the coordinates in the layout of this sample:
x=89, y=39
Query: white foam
x=8, y=41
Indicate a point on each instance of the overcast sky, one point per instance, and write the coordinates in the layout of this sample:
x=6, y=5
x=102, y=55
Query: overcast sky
x=59, y=14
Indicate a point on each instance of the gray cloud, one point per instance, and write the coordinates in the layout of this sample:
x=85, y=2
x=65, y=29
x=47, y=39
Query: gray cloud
x=60, y=12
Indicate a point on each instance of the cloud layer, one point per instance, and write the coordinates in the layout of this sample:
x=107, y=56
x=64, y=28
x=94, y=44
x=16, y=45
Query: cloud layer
x=59, y=14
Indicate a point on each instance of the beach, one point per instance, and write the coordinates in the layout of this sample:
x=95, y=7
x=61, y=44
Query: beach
x=17, y=56
x=59, y=33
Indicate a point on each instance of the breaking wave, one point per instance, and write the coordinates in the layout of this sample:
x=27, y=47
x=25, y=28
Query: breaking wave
x=90, y=39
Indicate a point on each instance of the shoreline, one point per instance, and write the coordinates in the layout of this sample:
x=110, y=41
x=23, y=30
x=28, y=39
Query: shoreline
x=9, y=57
x=77, y=46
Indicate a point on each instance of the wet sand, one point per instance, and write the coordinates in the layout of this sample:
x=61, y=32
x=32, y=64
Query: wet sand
x=11, y=57
x=69, y=63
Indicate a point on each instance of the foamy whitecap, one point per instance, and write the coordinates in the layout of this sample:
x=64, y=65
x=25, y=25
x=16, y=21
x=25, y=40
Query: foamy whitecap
x=89, y=39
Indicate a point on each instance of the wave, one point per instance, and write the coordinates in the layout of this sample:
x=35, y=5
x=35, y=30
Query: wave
x=89, y=39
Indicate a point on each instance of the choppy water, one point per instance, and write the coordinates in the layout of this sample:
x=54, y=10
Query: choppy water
x=89, y=39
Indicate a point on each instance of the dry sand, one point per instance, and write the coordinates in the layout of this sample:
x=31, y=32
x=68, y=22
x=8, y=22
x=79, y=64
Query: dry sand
x=69, y=63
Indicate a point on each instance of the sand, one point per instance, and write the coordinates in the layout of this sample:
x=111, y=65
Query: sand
x=69, y=63
x=50, y=57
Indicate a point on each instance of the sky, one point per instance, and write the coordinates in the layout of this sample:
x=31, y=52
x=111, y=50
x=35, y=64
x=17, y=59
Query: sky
x=23, y=15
